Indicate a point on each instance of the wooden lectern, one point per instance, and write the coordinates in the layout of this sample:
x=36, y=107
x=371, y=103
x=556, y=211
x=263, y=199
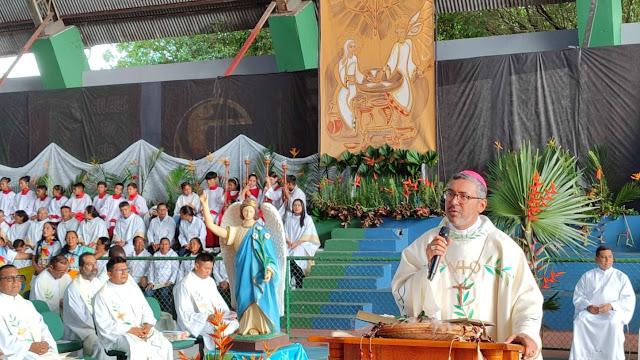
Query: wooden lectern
x=348, y=348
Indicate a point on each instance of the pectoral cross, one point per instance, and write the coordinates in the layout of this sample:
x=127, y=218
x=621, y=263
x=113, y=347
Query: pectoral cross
x=461, y=288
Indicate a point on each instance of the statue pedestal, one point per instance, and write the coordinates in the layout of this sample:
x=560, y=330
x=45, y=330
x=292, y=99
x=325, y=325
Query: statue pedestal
x=256, y=343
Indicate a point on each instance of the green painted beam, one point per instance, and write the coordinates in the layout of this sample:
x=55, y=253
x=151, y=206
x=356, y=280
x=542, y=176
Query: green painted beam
x=606, y=26
x=61, y=59
x=295, y=38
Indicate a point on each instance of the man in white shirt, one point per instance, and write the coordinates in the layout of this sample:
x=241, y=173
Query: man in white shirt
x=79, y=201
x=23, y=333
x=7, y=197
x=78, y=307
x=50, y=285
x=139, y=269
x=191, y=227
x=101, y=199
x=42, y=200
x=124, y=320
x=162, y=276
x=291, y=193
x=604, y=302
x=137, y=202
x=160, y=227
x=128, y=226
x=68, y=223
x=197, y=299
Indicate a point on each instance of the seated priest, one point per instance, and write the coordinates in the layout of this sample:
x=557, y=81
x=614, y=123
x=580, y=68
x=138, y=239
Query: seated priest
x=483, y=274
x=50, y=285
x=128, y=226
x=78, y=309
x=197, y=298
x=604, y=301
x=123, y=318
x=23, y=333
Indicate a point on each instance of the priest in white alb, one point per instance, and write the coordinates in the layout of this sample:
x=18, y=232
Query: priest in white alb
x=604, y=301
x=128, y=226
x=483, y=274
x=124, y=320
x=78, y=307
x=23, y=333
x=197, y=298
x=50, y=285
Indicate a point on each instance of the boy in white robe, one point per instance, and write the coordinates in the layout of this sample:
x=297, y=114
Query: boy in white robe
x=42, y=200
x=25, y=199
x=92, y=227
x=197, y=298
x=215, y=195
x=188, y=198
x=50, y=285
x=101, y=199
x=20, y=227
x=7, y=197
x=124, y=320
x=128, y=226
x=137, y=202
x=23, y=333
x=111, y=209
x=67, y=223
x=604, y=302
x=160, y=227
x=79, y=201
x=78, y=308
x=56, y=203
x=483, y=274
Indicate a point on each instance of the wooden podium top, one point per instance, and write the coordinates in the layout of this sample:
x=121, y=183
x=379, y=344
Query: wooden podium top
x=348, y=347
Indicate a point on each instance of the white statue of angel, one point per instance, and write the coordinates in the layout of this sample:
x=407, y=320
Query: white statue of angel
x=254, y=255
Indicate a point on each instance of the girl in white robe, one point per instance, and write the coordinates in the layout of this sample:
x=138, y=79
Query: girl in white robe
x=20, y=228
x=302, y=240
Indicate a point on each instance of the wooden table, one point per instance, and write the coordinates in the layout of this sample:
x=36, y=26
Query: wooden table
x=348, y=348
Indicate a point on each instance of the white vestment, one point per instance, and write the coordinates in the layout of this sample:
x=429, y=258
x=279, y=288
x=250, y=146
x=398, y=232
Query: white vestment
x=79, y=204
x=4, y=229
x=118, y=308
x=191, y=200
x=139, y=268
x=35, y=232
x=274, y=196
x=215, y=198
x=78, y=314
x=99, y=202
x=19, y=231
x=20, y=326
x=484, y=275
x=66, y=225
x=601, y=336
x=287, y=208
x=138, y=205
x=307, y=234
x=163, y=271
x=25, y=202
x=220, y=272
x=7, y=203
x=190, y=229
x=349, y=75
x=186, y=266
x=42, y=203
x=44, y=287
x=111, y=209
x=128, y=228
x=160, y=228
x=54, y=208
x=195, y=300
x=90, y=230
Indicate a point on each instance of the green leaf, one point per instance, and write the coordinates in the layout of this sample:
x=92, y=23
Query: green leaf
x=413, y=157
x=470, y=314
x=327, y=160
x=458, y=313
x=466, y=296
x=489, y=269
x=457, y=307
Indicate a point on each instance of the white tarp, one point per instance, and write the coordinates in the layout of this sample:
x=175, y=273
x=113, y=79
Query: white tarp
x=63, y=168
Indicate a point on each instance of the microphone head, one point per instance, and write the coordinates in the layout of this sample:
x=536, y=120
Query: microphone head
x=444, y=232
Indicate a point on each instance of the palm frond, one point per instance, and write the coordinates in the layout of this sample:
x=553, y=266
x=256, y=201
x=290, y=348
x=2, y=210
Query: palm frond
x=628, y=193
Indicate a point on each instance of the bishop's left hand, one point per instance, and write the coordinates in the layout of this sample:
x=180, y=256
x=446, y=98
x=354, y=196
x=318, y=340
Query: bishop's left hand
x=530, y=347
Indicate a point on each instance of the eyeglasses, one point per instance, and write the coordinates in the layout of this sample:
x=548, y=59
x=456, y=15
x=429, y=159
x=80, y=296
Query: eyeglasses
x=122, y=271
x=12, y=279
x=449, y=195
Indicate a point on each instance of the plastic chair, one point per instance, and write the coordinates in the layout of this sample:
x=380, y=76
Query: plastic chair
x=41, y=306
x=56, y=327
x=155, y=307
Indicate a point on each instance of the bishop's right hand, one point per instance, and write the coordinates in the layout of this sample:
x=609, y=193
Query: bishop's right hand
x=438, y=246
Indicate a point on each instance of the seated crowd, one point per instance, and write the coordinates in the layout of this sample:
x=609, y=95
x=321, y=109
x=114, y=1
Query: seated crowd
x=102, y=302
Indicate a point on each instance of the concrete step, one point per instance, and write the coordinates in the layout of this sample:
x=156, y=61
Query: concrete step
x=395, y=245
x=326, y=308
x=338, y=322
x=352, y=269
x=346, y=282
x=382, y=300
x=350, y=254
x=372, y=233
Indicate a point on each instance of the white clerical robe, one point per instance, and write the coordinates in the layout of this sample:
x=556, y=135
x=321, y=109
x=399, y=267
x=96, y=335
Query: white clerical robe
x=297, y=193
x=66, y=225
x=161, y=228
x=19, y=231
x=7, y=202
x=118, y=308
x=215, y=198
x=162, y=272
x=191, y=200
x=41, y=203
x=90, y=230
x=20, y=326
x=220, y=272
x=195, y=300
x=35, y=231
x=99, y=201
x=138, y=205
x=128, y=228
x=54, y=208
x=44, y=287
x=186, y=266
x=307, y=234
x=4, y=229
x=78, y=204
x=111, y=209
x=26, y=202
x=273, y=195
x=601, y=336
x=78, y=314
x=139, y=268
x=190, y=229
x=493, y=284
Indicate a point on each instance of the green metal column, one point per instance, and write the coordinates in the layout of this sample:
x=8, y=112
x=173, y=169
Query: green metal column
x=601, y=19
x=61, y=59
x=295, y=38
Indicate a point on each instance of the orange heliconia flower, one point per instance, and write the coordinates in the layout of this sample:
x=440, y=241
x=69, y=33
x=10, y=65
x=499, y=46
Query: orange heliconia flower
x=635, y=176
x=537, y=198
x=599, y=173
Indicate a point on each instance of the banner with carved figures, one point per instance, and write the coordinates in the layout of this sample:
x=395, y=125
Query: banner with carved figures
x=377, y=75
